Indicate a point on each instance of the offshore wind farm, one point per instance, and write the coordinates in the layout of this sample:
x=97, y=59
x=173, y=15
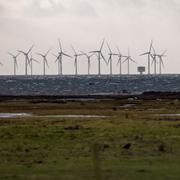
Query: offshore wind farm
x=59, y=83
x=109, y=58
x=75, y=83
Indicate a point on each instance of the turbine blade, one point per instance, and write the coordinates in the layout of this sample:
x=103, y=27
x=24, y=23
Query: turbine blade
x=125, y=59
x=163, y=54
x=80, y=54
x=161, y=61
x=47, y=52
x=35, y=60
x=109, y=48
x=144, y=54
x=60, y=46
x=73, y=50
x=91, y=55
x=118, y=50
x=16, y=64
x=18, y=55
x=94, y=52
x=10, y=54
x=54, y=55
x=151, y=45
x=153, y=50
x=103, y=57
x=153, y=61
x=21, y=51
x=102, y=44
x=133, y=60
x=118, y=62
x=40, y=54
x=28, y=60
x=67, y=55
x=46, y=62
x=30, y=49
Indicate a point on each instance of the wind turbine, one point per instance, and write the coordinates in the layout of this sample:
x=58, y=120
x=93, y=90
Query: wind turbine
x=154, y=57
x=59, y=58
x=15, y=60
x=120, y=56
x=161, y=63
x=45, y=63
x=128, y=59
x=89, y=60
x=149, y=57
x=111, y=54
x=76, y=55
x=100, y=56
x=31, y=63
x=26, y=54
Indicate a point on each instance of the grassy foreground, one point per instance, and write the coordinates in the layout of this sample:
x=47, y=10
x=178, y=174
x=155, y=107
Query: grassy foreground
x=132, y=142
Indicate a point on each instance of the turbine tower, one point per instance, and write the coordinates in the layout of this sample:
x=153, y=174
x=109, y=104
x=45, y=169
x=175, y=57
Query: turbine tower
x=161, y=63
x=15, y=61
x=111, y=54
x=26, y=54
x=76, y=55
x=128, y=59
x=31, y=60
x=89, y=60
x=100, y=56
x=120, y=56
x=45, y=63
x=59, y=58
x=149, y=57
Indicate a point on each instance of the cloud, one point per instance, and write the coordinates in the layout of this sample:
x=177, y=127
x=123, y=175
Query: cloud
x=82, y=9
x=44, y=8
x=1, y=9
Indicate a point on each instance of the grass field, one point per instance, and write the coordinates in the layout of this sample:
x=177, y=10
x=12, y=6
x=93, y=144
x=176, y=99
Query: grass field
x=132, y=142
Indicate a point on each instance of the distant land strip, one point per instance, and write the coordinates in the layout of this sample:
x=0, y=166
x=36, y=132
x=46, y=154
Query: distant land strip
x=60, y=98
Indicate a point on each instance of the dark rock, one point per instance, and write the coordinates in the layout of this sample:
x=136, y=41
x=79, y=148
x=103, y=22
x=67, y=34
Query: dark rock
x=127, y=146
x=76, y=127
x=161, y=148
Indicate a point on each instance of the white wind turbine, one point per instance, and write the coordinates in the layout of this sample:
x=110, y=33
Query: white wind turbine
x=27, y=61
x=76, y=55
x=110, y=60
x=45, y=62
x=149, y=55
x=120, y=56
x=31, y=60
x=129, y=59
x=161, y=63
x=154, y=57
x=15, y=61
x=59, y=58
x=100, y=56
x=89, y=60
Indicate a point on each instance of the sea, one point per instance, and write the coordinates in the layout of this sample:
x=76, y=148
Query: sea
x=88, y=84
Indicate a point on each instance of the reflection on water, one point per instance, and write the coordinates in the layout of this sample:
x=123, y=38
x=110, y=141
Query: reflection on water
x=17, y=115
x=13, y=115
x=75, y=116
x=169, y=115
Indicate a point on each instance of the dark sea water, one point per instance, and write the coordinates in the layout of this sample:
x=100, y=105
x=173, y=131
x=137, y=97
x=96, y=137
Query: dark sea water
x=83, y=85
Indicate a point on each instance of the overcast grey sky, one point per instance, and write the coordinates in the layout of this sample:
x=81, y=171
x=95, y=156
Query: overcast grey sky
x=84, y=23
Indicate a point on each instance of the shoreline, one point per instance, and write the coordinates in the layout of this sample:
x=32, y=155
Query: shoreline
x=141, y=96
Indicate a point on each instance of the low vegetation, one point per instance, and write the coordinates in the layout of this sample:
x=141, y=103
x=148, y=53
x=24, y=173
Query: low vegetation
x=134, y=141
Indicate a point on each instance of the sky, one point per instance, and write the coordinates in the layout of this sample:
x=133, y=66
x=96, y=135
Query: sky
x=84, y=23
